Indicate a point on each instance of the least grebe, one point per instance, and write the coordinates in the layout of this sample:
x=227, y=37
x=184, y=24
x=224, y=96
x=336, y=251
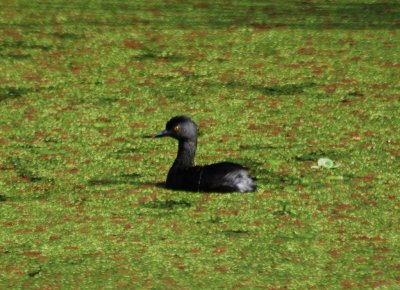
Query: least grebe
x=184, y=175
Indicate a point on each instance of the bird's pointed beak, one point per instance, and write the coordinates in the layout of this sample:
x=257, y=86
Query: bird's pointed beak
x=163, y=133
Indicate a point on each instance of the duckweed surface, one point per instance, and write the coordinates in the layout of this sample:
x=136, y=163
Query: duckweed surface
x=275, y=85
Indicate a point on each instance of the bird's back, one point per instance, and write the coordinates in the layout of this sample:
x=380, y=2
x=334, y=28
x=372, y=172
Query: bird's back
x=218, y=177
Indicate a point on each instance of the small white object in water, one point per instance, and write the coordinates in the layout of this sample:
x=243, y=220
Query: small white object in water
x=325, y=163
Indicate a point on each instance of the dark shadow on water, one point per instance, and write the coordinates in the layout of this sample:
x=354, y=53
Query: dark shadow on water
x=24, y=170
x=167, y=204
x=258, y=14
x=12, y=92
x=116, y=180
x=16, y=56
x=67, y=35
x=163, y=186
x=236, y=233
x=3, y=198
x=273, y=90
x=154, y=184
x=35, y=272
x=160, y=185
x=24, y=45
x=106, y=100
x=124, y=151
x=287, y=89
x=259, y=147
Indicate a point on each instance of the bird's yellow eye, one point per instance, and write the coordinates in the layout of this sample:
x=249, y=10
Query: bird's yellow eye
x=176, y=128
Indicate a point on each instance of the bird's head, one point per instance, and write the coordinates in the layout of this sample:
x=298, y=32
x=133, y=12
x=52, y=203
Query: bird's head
x=180, y=128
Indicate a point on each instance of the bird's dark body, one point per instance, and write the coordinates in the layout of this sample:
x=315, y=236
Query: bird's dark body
x=209, y=178
x=183, y=175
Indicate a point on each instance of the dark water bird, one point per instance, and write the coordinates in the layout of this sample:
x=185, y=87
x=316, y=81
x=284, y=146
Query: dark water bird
x=184, y=175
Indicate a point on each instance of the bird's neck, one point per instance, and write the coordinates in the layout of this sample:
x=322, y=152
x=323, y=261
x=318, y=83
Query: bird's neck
x=186, y=153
